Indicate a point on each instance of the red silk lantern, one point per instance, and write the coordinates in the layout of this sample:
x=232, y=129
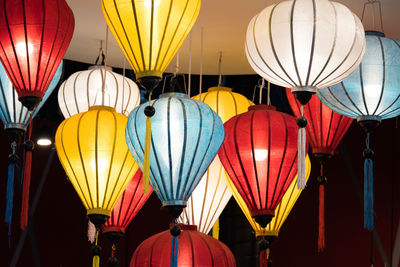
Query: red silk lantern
x=260, y=155
x=131, y=201
x=195, y=249
x=34, y=36
x=325, y=129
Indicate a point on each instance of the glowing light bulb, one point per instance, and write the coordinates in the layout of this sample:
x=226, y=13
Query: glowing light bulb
x=260, y=154
x=21, y=49
x=44, y=142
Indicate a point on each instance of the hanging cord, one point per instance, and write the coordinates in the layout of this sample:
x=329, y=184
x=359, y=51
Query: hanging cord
x=96, y=250
x=322, y=180
x=261, y=90
x=261, y=85
x=113, y=260
x=12, y=160
x=123, y=88
x=101, y=55
x=372, y=250
x=220, y=69
x=372, y=3
x=190, y=64
x=103, y=87
x=301, y=147
x=29, y=146
x=368, y=154
x=268, y=93
x=264, y=251
x=201, y=62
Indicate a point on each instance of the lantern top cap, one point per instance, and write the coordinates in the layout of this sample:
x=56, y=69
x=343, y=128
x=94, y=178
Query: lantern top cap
x=97, y=66
x=174, y=94
x=188, y=227
x=99, y=107
x=374, y=33
x=219, y=88
x=262, y=107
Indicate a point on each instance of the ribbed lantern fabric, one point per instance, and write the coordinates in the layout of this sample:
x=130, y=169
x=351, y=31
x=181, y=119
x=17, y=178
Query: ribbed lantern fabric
x=92, y=149
x=305, y=44
x=130, y=203
x=211, y=195
x=282, y=211
x=83, y=89
x=12, y=113
x=372, y=90
x=150, y=32
x=325, y=128
x=260, y=155
x=196, y=249
x=34, y=36
x=186, y=135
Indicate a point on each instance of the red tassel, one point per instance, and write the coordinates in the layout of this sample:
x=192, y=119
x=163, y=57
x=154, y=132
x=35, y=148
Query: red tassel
x=264, y=257
x=27, y=178
x=321, y=226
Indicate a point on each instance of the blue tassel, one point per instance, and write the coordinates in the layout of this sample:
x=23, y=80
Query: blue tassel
x=9, y=199
x=368, y=188
x=174, y=251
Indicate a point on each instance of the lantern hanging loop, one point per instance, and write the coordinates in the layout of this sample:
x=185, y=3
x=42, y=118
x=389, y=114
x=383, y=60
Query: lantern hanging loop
x=372, y=3
x=101, y=55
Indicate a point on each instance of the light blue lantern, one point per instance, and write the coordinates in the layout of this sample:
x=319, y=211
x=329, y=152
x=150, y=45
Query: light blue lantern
x=370, y=94
x=15, y=118
x=186, y=136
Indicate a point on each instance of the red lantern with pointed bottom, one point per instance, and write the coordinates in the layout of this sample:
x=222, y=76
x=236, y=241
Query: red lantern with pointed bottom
x=260, y=155
x=34, y=36
x=195, y=249
x=131, y=201
x=325, y=129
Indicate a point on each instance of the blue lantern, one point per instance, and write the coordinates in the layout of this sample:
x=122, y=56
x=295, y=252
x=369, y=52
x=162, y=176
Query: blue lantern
x=15, y=118
x=186, y=136
x=370, y=94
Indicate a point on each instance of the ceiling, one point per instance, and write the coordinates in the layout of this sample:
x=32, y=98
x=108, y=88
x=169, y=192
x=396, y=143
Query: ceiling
x=224, y=24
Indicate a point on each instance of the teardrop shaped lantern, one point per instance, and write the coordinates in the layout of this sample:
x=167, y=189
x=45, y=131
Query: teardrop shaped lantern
x=150, y=32
x=370, y=94
x=186, y=136
x=325, y=130
x=93, y=152
x=15, y=118
x=83, y=89
x=285, y=206
x=305, y=45
x=34, y=36
x=197, y=249
x=130, y=203
x=211, y=195
x=260, y=155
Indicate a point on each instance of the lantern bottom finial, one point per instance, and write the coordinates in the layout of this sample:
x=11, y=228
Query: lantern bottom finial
x=263, y=220
x=113, y=237
x=322, y=157
x=149, y=82
x=303, y=96
x=14, y=134
x=369, y=125
x=30, y=102
x=98, y=219
x=175, y=210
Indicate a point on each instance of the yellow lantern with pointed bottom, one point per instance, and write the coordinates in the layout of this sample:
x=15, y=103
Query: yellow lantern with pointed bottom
x=92, y=149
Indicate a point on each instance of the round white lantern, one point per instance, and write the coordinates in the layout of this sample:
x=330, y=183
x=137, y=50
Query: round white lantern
x=305, y=44
x=83, y=89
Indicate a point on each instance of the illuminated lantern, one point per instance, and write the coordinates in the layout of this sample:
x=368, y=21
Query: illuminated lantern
x=34, y=36
x=92, y=149
x=259, y=154
x=269, y=233
x=15, y=119
x=197, y=249
x=370, y=94
x=83, y=89
x=211, y=195
x=325, y=130
x=131, y=201
x=305, y=45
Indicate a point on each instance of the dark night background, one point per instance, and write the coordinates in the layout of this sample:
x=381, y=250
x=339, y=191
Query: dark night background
x=58, y=227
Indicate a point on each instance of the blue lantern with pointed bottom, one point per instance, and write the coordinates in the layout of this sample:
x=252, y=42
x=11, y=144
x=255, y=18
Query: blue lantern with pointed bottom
x=186, y=136
x=370, y=94
x=15, y=118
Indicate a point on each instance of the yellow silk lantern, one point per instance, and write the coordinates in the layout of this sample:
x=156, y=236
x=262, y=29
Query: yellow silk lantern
x=211, y=195
x=150, y=32
x=281, y=211
x=92, y=149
